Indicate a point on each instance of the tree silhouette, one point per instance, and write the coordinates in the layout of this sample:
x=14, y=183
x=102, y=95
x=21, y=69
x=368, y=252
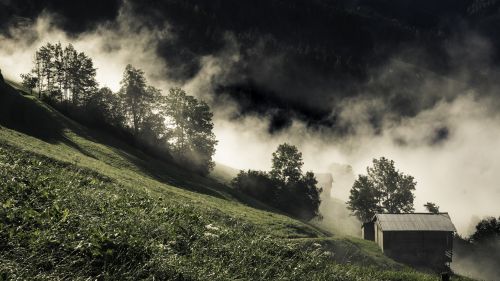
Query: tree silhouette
x=432, y=207
x=284, y=187
x=190, y=129
x=134, y=95
x=104, y=108
x=29, y=82
x=62, y=74
x=177, y=122
x=383, y=190
x=259, y=185
x=363, y=200
x=487, y=231
x=287, y=164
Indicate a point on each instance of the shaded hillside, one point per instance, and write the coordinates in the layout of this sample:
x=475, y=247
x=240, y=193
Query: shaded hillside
x=224, y=173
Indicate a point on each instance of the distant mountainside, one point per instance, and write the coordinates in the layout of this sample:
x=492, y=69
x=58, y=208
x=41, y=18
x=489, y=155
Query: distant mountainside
x=340, y=33
x=302, y=58
x=337, y=35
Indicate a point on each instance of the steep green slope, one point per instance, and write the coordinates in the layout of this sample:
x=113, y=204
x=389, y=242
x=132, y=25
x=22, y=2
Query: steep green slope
x=79, y=204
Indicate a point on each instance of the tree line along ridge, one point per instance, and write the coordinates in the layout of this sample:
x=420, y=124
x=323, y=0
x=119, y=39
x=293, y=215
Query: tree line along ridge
x=176, y=124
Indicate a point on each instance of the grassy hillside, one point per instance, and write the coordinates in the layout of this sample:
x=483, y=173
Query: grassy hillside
x=78, y=204
x=223, y=173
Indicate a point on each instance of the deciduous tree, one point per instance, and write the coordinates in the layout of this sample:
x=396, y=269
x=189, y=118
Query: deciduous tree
x=384, y=190
x=432, y=207
x=285, y=187
x=29, y=81
x=363, y=201
x=287, y=164
x=190, y=129
x=487, y=231
x=134, y=95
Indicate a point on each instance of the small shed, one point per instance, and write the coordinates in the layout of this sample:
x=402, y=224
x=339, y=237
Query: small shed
x=421, y=239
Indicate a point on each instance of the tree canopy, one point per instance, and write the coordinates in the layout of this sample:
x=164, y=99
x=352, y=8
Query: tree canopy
x=287, y=164
x=62, y=73
x=432, y=207
x=190, y=128
x=177, y=125
x=284, y=187
x=487, y=231
x=29, y=82
x=138, y=98
x=383, y=190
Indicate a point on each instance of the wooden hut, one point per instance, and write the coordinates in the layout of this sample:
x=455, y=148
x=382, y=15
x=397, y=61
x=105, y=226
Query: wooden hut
x=421, y=239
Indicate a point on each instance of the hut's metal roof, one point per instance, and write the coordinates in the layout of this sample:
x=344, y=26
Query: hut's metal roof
x=415, y=222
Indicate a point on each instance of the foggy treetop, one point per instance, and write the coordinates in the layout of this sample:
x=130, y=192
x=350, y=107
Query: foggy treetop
x=300, y=59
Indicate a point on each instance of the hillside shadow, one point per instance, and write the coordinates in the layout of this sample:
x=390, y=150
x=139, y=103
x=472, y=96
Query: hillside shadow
x=22, y=114
x=28, y=116
x=162, y=167
x=158, y=165
x=36, y=119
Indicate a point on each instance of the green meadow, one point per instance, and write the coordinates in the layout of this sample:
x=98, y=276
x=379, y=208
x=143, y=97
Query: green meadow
x=80, y=204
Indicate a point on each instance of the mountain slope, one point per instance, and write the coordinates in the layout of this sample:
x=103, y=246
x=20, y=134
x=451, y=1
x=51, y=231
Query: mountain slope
x=79, y=204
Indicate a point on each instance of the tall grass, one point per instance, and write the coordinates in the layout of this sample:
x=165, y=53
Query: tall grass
x=84, y=206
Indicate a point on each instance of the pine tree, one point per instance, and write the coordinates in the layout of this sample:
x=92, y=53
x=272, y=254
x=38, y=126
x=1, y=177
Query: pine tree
x=59, y=69
x=45, y=55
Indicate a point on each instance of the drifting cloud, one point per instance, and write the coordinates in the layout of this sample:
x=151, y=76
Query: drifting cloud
x=450, y=148
x=111, y=45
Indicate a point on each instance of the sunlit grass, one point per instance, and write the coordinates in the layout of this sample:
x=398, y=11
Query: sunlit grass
x=81, y=204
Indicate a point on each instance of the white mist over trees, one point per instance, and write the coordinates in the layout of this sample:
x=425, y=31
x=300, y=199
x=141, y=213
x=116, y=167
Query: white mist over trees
x=178, y=125
x=478, y=255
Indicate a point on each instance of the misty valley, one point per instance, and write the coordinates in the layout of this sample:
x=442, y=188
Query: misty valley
x=249, y=140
